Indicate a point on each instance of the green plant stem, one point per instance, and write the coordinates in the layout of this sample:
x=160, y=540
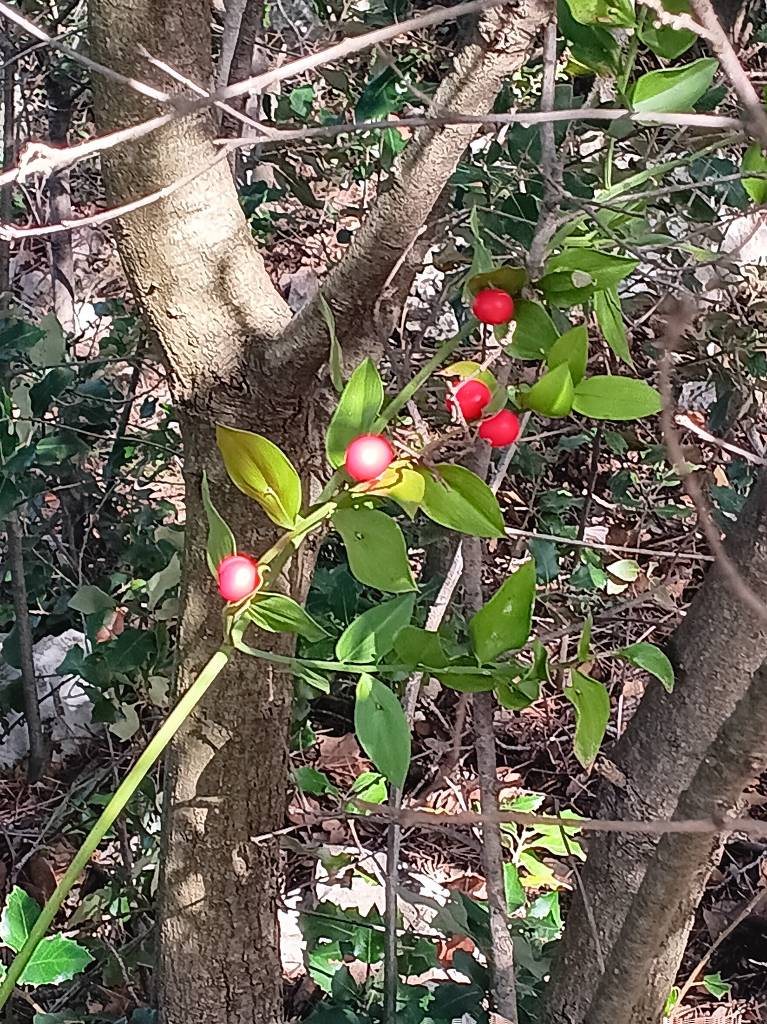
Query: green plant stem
x=116, y=805
x=281, y=550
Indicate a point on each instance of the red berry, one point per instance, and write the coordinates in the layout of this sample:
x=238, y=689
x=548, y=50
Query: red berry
x=238, y=577
x=472, y=397
x=501, y=429
x=368, y=456
x=493, y=306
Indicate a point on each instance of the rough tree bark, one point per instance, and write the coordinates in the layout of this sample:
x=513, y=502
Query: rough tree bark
x=232, y=356
x=665, y=757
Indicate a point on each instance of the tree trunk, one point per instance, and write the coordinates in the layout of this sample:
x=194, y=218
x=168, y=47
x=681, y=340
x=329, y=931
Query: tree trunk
x=717, y=648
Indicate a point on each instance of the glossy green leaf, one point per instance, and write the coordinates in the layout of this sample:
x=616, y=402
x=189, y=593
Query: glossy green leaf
x=651, y=659
x=336, y=357
x=508, y=279
x=381, y=96
x=19, y=914
x=382, y=729
x=414, y=646
x=90, y=599
x=663, y=40
x=675, y=90
x=534, y=331
x=592, y=713
x=456, y=498
x=504, y=623
x=574, y=275
x=221, y=542
x=609, y=314
x=482, y=260
x=371, y=635
x=356, y=412
x=468, y=681
x=310, y=780
x=755, y=160
x=375, y=548
x=56, y=959
x=584, y=643
x=259, y=469
x=42, y=394
x=402, y=484
x=618, y=13
x=277, y=613
x=469, y=368
x=716, y=986
x=552, y=395
x=515, y=892
x=615, y=398
x=591, y=46
x=571, y=350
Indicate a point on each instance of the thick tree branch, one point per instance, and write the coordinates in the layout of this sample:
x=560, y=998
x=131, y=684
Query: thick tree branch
x=498, y=45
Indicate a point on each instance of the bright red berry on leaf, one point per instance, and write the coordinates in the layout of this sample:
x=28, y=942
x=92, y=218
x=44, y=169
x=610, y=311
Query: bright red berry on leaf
x=501, y=429
x=238, y=577
x=472, y=397
x=368, y=456
x=493, y=306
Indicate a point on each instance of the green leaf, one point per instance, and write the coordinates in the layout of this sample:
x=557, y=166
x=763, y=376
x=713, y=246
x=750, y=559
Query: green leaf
x=51, y=348
x=572, y=351
x=590, y=45
x=221, y=542
x=300, y=100
x=615, y=398
x=356, y=412
x=716, y=986
x=309, y=780
x=402, y=484
x=481, y=261
x=663, y=40
x=469, y=368
x=415, y=646
x=10, y=496
x=277, y=613
x=652, y=660
x=584, y=643
x=259, y=469
x=90, y=599
x=592, y=713
x=534, y=331
x=456, y=498
x=381, y=96
x=158, y=585
x=19, y=914
x=42, y=394
x=574, y=275
x=371, y=635
x=676, y=90
x=552, y=394
x=755, y=160
x=619, y=13
x=375, y=548
x=505, y=621
x=470, y=681
x=508, y=279
x=336, y=358
x=56, y=959
x=609, y=314
x=515, y=891
x=382, y=729
x=129, y=650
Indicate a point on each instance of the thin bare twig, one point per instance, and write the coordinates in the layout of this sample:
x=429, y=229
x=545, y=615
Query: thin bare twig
x=551, y=165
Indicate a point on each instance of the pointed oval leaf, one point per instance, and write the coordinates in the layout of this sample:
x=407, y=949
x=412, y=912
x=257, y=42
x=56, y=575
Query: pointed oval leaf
x=259, y=469
x=468, y=368
x=651, y=659
x=415, y=646
x=609, y=314
x=615, y=398
x=572, y=351
x=675, y=90
x=356, y=412
x=90, y=599
x=504, y=623
x=468, y=681
x=592, y=713
x=221, y=542
x=375, y=548
x=508, y=279
x=663, y=40
x=755, y=160
x=382, y=729
x=278, y=613
x=552, y=395
x=371, y=635
x=534, y=331
x=456, y=498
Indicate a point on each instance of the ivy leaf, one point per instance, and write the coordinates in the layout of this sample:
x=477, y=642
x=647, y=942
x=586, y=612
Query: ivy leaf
x=375, y=548
x=572, y=351
x=716, y=986
x=19, y=914
x=552, y=395
x=652, y=660
x=221, y=542
x=755, y=160
x=371, y=635
x=56, y=959
x=357, y=409
x=504, y=623
x=609, y=314
x=277, y=613
x=382, y=729
x=458, y=499
x=534, y=331
x=592, y=713
x=615, y=398
x=259, y=469
x=675, y=90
